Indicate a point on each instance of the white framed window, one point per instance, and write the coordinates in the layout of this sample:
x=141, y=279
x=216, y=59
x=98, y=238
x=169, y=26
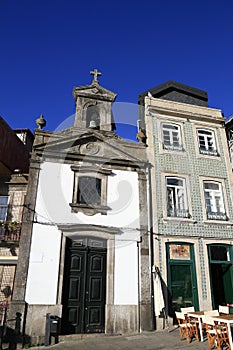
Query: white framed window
x=207, y=143
x=3, y=207
x=177, y=204
x=171, y=135
x=215, y=209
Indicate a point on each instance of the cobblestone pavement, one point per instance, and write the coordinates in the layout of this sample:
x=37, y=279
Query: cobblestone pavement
x=159, y=340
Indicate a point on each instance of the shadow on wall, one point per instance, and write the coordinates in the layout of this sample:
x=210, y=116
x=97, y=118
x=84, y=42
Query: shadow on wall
x=168, y=310
x=10, y=337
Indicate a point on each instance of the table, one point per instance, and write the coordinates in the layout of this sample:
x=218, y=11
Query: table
x=228, y=319
x=198, y=315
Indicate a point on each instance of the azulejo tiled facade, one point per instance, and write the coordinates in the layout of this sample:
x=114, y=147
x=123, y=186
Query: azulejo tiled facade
x=191, y=189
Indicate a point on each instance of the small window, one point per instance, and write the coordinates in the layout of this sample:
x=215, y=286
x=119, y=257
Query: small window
x=171, y=137
x=215, y=209
x=176, y=198
x=207, y=144
x=90, y=190
x=3, y=207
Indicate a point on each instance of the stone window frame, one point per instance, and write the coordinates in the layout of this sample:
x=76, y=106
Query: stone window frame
x=171, y=147
x=207, y=127
x=226, y=221
x=201, y=132
x=185, y=177
x=215, y=215
x=173, y=121
x=174, y=190
x=95, y=172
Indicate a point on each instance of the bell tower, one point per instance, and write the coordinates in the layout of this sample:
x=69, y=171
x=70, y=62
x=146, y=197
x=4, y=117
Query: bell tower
x=94, y=106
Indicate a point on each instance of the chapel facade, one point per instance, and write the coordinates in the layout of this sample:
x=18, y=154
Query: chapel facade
x=85, y=249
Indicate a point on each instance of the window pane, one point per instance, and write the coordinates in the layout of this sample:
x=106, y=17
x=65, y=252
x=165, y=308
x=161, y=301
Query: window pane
x=208, y=203
x=3, y=200
x=3, y=207
x=205, y=132
x=166, y=137
x=170, y=126
x=176, y=198
x=202, y=141
x=89, y=190
x=176, y=139
x=181, y=286
x=211, y=186
x=174, y=181
x=206, y=142
x=171, y=135
x=219, y=253
x=214, y=201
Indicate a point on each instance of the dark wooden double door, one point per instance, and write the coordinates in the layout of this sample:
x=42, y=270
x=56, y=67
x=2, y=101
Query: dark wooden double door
x=84, y=288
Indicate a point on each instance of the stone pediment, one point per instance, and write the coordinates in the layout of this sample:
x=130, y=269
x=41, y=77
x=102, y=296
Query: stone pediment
x=107, y=146
x=94, y=91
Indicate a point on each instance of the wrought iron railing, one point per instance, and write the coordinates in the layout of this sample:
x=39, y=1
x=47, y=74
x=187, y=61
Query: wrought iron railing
x=10, y=231
x=216, y=216
x=171, y=147
x=178, y=213
x=209, y=152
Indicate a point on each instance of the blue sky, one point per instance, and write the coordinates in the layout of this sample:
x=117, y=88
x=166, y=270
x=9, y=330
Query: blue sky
x=50, y=46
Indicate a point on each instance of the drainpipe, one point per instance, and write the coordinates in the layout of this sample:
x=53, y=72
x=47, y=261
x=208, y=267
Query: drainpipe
x=139, y=278
x=150, y=223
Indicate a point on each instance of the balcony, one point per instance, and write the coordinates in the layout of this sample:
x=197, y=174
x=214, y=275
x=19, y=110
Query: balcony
x=10, y=231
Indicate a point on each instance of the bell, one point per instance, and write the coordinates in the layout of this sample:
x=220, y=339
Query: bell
x=93, y=124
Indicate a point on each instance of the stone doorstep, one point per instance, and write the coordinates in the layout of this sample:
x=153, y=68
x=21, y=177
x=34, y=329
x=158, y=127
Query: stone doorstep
x=72, y=337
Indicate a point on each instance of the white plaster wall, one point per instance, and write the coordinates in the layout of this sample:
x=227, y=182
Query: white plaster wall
x=55, y=190
x=126, y=273
x=44, y=263
x=55, y=193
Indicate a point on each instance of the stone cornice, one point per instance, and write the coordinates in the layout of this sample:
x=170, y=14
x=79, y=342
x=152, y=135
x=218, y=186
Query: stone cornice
x=183, y=110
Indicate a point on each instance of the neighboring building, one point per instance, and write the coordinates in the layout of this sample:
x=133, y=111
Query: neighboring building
x=26, y=136
x=14, y=167
x=191, y=196
x=229, y=133
x=85, y=249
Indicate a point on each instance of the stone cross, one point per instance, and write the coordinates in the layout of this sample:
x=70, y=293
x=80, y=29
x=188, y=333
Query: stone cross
x=95, y=73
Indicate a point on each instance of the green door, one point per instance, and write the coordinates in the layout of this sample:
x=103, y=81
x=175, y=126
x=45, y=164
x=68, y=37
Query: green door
x=182, y=284
x=221, y=274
